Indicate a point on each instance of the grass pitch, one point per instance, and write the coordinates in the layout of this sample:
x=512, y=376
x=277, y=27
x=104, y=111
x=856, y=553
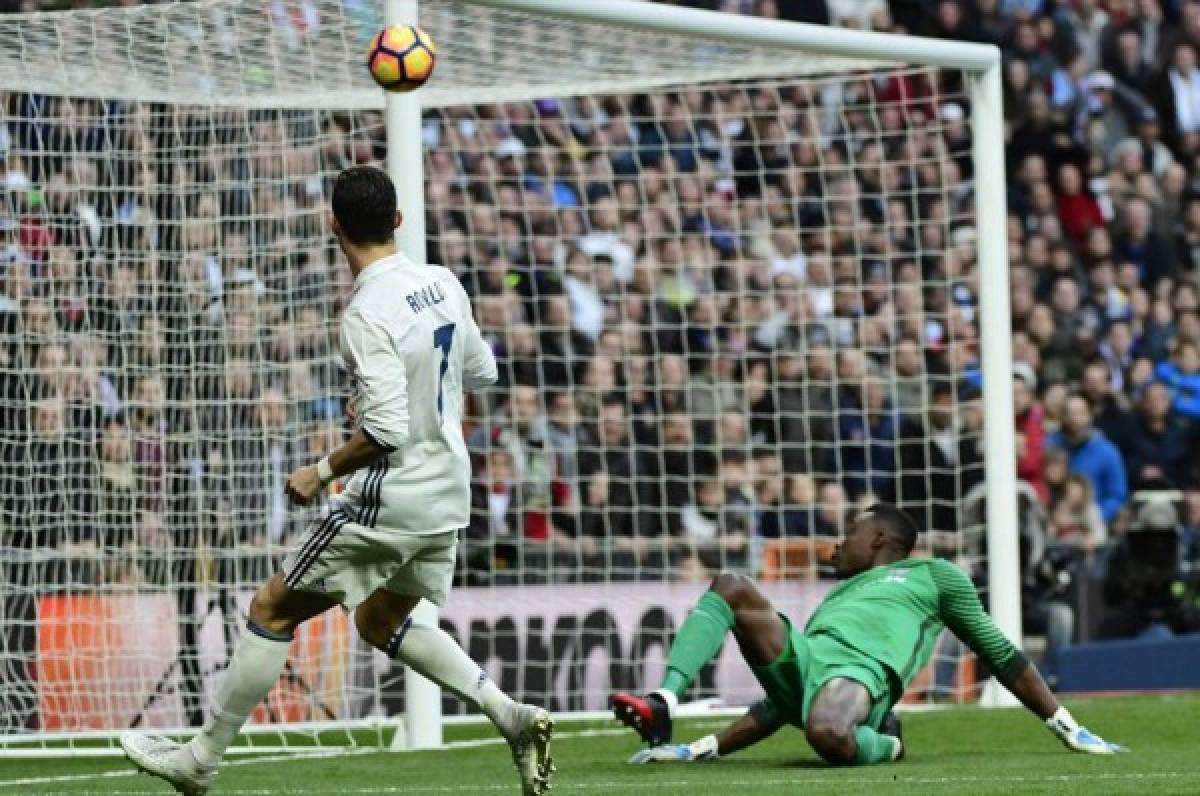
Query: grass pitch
x=960, y=750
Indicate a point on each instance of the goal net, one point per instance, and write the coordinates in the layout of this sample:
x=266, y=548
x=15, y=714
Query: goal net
x=734, y=291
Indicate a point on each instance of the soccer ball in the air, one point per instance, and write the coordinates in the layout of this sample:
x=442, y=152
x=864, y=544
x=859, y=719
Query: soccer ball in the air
x=401, y=58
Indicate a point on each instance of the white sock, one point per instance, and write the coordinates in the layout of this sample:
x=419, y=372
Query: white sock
x=255, y=667
x=433, y=653
x=668, y=697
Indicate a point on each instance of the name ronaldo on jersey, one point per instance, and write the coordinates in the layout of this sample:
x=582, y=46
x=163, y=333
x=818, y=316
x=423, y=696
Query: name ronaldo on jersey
x=426, y=297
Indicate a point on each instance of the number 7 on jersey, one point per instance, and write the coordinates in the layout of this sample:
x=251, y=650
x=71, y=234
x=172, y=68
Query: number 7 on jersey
x=443, y=338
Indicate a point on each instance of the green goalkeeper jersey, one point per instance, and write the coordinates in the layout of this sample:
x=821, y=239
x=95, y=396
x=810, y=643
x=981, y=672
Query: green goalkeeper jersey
x=894, y=613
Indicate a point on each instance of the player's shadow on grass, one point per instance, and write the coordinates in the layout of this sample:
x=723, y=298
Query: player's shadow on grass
x=806, y=763
x=779, y=762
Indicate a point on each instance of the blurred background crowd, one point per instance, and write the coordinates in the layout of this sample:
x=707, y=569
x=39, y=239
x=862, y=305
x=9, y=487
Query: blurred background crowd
x=724, y=316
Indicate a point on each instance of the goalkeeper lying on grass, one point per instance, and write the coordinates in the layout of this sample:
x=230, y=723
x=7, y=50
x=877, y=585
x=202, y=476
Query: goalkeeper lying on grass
x=839, y=679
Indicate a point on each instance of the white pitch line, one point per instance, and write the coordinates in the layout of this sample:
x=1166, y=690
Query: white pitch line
x=302, y=755
x=582, y=787
x=840, y=782
x=132, y=772
x=585, y=787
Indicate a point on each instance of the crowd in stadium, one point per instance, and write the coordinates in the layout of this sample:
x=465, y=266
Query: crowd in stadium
x=723, y=316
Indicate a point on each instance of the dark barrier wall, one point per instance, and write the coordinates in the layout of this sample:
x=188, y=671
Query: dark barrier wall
x=1132, y=665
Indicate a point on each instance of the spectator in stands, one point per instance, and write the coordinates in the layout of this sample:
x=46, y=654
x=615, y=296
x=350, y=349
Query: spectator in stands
x=1140, y=243
x=1182, y=376
x=563, y=349
x=114, y=509
x=599, y=525
x=702, y=530
x=1157, y=452
x=1103, y=122
x=910, y=377
x=740, y=521
x=832, y=509
x=801, y=501
x=57, y=519
x=928, y=456
x=1092, y=455
x=1030, y=429
x=867, y=428
x=152, y=556
x=1191, y=527
x=526, y=438
x=1055, y=471
x=683, y=464
x=1110, y=410
x=1147, y=145
x=1077, y=209
x=263, y=454
x=1075, y=518
x=149, y=426
x=633, y=495
x=491, y=540
x=517, y=357
x=767, y=476
x=1177, y=96
x=806, y=412
x=566, y=435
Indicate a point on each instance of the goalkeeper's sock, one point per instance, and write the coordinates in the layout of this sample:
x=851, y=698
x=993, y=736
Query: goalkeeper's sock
x=874, y=747
x=255, y=667
x=698, y=641
x=434, y=654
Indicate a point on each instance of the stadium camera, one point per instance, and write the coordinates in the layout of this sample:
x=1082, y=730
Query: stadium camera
x=1146, y=577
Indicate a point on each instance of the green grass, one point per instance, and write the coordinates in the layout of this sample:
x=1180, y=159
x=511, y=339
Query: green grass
x=962, y=750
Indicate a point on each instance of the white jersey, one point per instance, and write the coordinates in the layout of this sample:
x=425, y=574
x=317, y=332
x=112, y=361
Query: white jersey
x=411, y=346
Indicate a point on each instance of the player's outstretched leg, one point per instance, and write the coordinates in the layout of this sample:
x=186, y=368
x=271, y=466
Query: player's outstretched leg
x=383, y=621
x=733, y=602
x=837, y=728
x=256, y=664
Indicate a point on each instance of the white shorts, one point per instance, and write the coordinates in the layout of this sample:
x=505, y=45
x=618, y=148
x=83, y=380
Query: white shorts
x=348, y=561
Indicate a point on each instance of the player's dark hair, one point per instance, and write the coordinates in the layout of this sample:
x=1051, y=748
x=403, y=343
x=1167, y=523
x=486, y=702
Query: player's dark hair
x=896, y=523
x=364, y=204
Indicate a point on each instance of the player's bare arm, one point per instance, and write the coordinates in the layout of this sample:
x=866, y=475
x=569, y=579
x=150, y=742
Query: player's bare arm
x=354, y=454
x=1031, y=689
x=963, y=613
x=761, y=721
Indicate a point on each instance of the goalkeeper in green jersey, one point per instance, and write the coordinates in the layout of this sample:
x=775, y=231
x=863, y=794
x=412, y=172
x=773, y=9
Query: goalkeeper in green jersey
x=839, y=678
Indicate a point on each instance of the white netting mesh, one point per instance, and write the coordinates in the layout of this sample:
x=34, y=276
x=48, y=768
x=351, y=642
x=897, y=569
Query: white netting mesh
x=724, y=313
x=309, y=53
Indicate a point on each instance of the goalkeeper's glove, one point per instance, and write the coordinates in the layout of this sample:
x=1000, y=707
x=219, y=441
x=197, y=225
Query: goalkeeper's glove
x=703, y=749
x=1077, y=738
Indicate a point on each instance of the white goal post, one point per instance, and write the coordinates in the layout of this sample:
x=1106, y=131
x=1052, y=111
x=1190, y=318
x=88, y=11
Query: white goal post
x=235, y=115
x=983, y=65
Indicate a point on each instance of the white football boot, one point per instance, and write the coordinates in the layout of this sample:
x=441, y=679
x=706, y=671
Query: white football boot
x=529, y=737
x=174, y=762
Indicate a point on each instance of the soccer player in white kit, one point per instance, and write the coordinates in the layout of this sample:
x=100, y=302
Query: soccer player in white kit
x=412, y=347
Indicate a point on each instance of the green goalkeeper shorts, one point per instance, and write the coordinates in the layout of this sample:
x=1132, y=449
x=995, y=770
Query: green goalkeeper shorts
x=807, y=663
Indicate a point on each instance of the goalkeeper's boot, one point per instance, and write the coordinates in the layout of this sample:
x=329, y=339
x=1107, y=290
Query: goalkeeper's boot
x=649, y=715
x=528, y=735
x=173, y=762
x=891, y=726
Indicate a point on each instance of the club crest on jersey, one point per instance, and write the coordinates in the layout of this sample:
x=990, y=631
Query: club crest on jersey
x=426, y=297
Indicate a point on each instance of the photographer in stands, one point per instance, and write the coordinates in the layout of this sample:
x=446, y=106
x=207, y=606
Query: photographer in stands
x=1147, y=585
